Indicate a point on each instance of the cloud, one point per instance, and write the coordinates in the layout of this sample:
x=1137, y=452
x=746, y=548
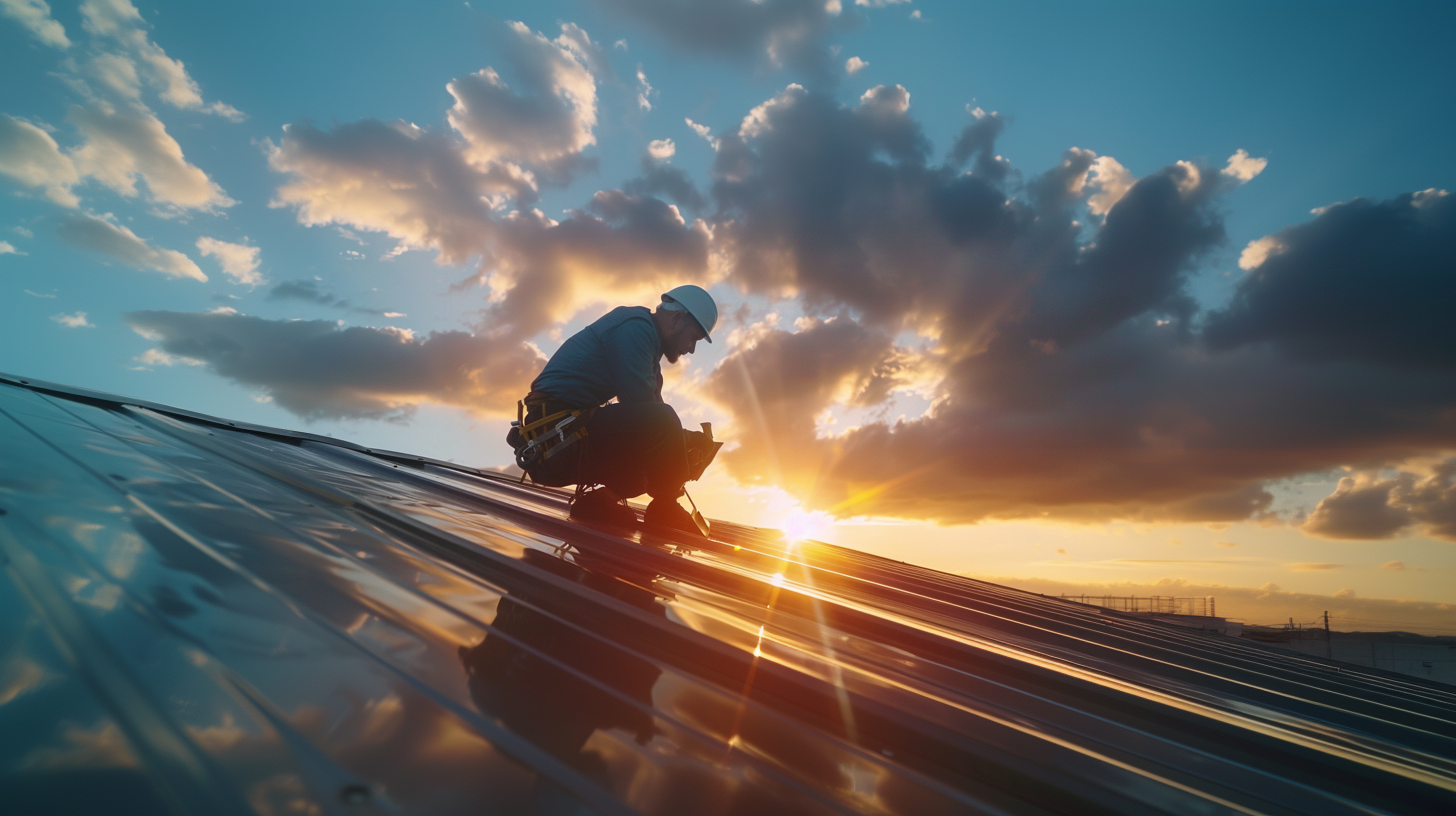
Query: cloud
x=661, y=149
x=644, y=90
x=29, y=155
x=777, y=33
x=122, y=143
x=436, y=191
x=74, y=321
x=305, y=290
x=7, y=248
x=854, y=65
x=35, y=15
x=1313, y=567
x=661, y=179
x=1244, y=167
x=239, y=261
x=1065, y=365
x=1363, y=281
x=394, y=178
x=157, y=357
x=1258, y=251
x=1393, y=565
x=101, y=234
x=550, y=123
x=127, y=142
x=1367, y=506
x=704, y=132
x=319, y=369
x=119, y=20
x=1112, y=180
x=621, y=247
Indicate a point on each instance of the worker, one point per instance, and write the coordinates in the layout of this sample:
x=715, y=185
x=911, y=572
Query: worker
x=569, y=432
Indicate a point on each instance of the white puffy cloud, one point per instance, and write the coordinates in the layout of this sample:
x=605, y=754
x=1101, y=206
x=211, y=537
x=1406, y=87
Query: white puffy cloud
x=99, y=234
x=704, y=132
x=1112, y=181
x=661, y=149
x=1259, y=250
x=119, y=20
x=154, y=357
x=29, y=155
x=127, y=143
x=553, y=120
x=854, y=65
x=644, y=90
x=74, y=321
x=35, y=15
x=239, y=261
x=117, y=73
x=1244, y=167
x=885, y=100
x=122, y=144
x=7, y=248
x=394, y=178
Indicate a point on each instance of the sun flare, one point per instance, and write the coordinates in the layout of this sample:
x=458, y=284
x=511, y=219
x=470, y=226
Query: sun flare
x=799, y=525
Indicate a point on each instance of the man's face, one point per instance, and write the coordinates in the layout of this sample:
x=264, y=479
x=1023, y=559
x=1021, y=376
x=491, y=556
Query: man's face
x=682, y=337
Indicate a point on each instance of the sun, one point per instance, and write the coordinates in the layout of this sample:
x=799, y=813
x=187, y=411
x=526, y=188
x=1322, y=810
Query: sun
x=799, y=525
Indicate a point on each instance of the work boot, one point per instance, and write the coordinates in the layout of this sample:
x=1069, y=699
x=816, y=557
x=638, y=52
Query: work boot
x=667, y=514
x=603, y=506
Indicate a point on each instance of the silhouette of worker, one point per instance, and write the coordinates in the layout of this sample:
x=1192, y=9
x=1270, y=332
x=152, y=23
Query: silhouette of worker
x=569, y=432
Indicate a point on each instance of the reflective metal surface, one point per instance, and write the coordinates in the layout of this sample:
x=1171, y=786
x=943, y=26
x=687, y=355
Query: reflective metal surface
x=205, y=617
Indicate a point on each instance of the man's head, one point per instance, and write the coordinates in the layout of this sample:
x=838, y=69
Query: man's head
x=685, y=316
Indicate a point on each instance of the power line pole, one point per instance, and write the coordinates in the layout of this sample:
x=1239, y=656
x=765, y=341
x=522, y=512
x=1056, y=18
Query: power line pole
x=1327, y=633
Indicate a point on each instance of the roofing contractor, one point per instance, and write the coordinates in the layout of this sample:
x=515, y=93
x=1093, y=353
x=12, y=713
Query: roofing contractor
x=569, y=432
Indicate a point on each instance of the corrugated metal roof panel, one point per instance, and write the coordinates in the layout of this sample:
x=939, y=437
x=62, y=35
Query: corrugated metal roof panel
x=207, y=617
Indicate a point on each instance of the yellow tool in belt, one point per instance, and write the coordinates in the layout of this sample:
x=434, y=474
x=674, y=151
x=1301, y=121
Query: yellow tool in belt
x=547, y=436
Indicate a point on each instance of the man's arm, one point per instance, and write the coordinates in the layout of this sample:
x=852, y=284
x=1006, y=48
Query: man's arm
x=632, y=350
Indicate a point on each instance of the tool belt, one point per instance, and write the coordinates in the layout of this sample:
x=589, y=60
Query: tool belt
x=544, y=428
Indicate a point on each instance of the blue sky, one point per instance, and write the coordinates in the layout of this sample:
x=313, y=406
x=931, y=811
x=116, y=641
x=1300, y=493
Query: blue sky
x=1342, y=101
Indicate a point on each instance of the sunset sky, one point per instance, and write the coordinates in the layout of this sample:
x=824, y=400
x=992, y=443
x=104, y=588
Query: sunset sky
x=1133, y=298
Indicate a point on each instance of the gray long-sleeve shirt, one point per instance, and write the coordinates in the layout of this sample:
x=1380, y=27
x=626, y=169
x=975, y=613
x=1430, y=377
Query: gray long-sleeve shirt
x=617, y=356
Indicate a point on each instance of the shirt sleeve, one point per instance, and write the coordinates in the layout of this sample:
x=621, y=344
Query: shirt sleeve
x=632, y=351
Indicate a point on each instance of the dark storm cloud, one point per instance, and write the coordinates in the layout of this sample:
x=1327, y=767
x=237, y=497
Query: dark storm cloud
x=781, y=32
x=1369, y=281
x=1068, y=373
x=319, y=369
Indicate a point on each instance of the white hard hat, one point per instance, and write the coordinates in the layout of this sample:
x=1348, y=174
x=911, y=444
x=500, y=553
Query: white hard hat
x=698, y=303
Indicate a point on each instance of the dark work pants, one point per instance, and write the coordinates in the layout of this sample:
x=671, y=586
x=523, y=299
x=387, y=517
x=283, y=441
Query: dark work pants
x=635, y=448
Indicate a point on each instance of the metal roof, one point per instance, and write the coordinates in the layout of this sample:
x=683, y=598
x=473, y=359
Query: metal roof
x=206, y=617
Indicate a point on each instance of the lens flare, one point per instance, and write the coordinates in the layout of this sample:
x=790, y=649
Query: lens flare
x=799, y=526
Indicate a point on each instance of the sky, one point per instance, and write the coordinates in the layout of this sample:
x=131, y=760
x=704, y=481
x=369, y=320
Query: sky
x=1115, y=298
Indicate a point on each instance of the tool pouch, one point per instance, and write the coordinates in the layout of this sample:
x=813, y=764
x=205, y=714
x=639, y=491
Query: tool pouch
x=701, y=450
x=540, y=435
